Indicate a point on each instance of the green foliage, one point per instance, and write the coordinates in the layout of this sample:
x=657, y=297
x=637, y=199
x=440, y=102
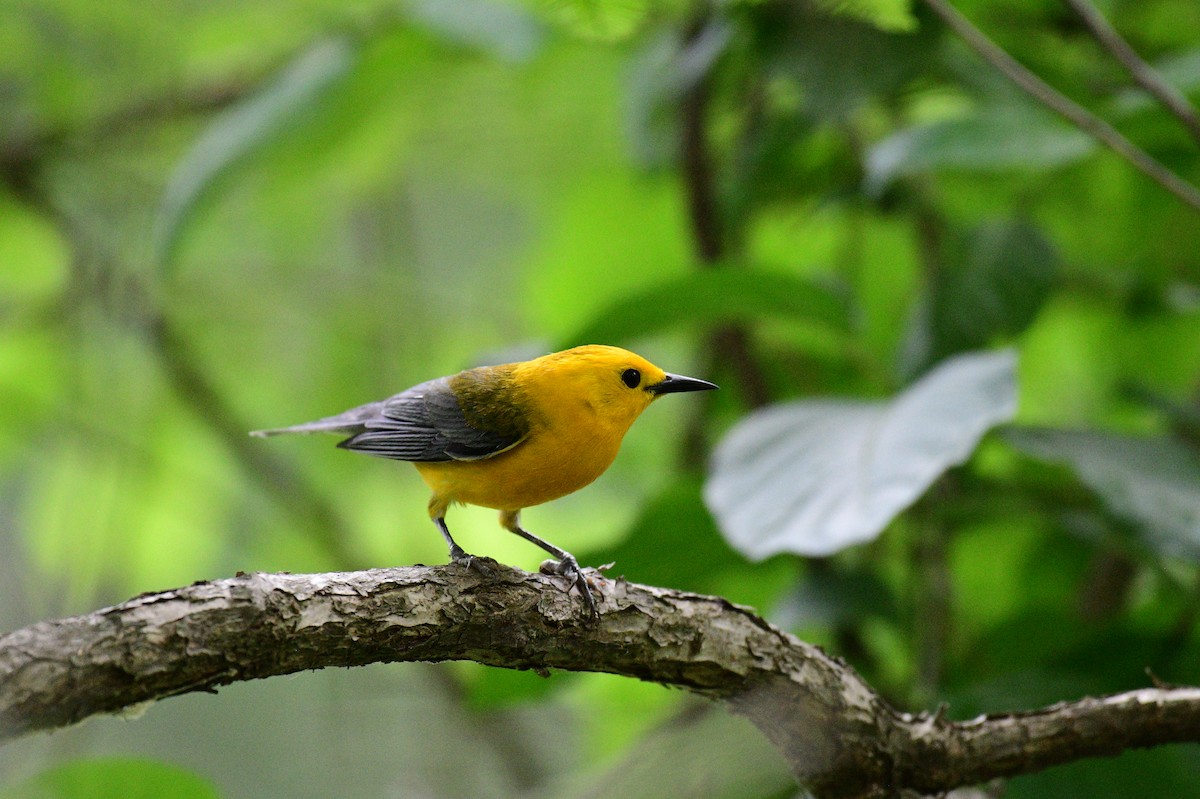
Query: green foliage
x=713, y=297
x=1171, y=772
x=34, y=258
x=594, y=19
x=839, y=62
x=994, y=140
x=888, y=15
x=103, y=779
x=1150, y=482
x=351, y=197
x=992, y=285
x=238, y=131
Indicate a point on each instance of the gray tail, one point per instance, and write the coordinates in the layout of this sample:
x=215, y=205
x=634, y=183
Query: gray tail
x=349, y=422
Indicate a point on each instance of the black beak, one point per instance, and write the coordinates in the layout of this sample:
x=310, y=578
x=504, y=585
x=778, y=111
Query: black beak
x=673, y=384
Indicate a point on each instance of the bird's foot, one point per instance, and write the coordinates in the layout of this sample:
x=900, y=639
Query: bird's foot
x=568, y=567
x=472, y=562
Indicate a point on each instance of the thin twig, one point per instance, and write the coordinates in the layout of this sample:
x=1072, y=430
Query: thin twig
x=933, y=600
x=1146, y=76
x=1048, y=96
x=696, y=161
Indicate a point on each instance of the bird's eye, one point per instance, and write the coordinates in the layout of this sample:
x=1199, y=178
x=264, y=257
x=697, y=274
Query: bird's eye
x=631, y=377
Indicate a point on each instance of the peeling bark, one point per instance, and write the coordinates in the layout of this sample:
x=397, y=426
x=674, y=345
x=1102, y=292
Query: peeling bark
x=837, y=733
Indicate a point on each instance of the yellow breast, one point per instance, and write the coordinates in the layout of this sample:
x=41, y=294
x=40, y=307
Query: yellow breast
x=551, y=463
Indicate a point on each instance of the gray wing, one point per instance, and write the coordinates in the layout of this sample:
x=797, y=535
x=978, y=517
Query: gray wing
x=424, y=423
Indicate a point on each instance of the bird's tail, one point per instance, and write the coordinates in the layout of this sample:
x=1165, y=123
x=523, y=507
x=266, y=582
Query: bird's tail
x=349, y=422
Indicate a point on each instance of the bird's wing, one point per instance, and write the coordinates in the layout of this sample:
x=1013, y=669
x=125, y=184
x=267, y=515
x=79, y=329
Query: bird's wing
x=426, y=423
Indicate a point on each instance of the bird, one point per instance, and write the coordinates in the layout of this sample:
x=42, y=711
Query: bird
x=511, y=436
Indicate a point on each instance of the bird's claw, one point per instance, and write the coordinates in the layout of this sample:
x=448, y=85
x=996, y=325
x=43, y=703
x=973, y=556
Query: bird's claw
x=472, y=562
x=568, y=567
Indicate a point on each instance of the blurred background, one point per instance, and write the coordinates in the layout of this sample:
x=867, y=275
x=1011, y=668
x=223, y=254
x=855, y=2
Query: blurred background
x=958, y=343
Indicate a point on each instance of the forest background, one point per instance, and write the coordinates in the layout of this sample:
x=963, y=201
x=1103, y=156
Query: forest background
x=223, y=216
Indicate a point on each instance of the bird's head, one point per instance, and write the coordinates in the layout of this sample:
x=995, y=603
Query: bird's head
x=608, y=383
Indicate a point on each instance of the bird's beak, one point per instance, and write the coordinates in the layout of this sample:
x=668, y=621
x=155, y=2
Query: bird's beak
x=672, y=384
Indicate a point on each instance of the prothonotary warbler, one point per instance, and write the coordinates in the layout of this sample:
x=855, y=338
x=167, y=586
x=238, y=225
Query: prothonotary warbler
x=511, y=436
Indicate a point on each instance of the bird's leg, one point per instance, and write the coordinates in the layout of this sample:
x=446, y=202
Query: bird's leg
x=565, y=564
x=458, y=554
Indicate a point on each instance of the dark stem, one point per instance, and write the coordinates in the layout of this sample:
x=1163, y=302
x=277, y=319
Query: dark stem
x=1079, y=116
x=696, y=161
x=729, y=346
x=1146, y=76
x=932, y=607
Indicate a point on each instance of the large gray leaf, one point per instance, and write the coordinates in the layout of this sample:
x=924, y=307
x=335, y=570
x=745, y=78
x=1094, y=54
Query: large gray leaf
x=1152, y=482
x=816, y=476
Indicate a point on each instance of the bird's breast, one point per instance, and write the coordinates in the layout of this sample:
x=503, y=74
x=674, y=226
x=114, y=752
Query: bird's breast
x=551, y=463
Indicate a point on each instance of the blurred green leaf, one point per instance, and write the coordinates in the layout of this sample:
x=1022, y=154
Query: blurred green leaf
x=672, y=542
x=491, y=689
x=713, y=296
x=1167, y=771
x=839, y=62
x=115, y=777
x=597, y=20
x=993, y=284
x=241, y=130
x=34, y=369
x=1114, y=656
x=828, y=597
x=506, y=31
x=1152, y=482
x=1181, y=70
x=1008, y=270
x=816, y=476
x=1024, y=685
x=706, y=753
x=1044, y=652
x=888, y=15
x=661, y=71
x=1003, y=567
x=34, y=255
x=994, y=140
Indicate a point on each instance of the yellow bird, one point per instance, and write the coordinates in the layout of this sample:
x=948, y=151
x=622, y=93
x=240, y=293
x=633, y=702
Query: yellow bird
x=511, y=436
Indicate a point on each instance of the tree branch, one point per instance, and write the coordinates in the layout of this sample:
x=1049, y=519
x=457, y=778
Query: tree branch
x=1147, y=76
x=838, y=735
x=1062, y=105
x=963, y=753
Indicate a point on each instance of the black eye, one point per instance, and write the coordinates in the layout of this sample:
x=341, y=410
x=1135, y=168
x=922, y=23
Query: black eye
x=631, y=377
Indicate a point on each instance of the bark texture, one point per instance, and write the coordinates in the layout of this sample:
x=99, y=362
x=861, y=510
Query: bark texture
x=840, y=737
